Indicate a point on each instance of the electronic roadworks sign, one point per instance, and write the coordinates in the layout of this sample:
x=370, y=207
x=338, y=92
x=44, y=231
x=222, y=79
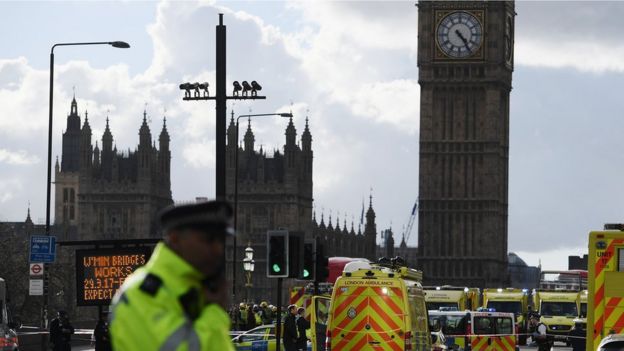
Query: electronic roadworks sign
x=99, y=273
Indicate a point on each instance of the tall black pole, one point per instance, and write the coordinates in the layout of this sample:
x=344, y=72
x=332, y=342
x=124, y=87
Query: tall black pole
x=44, y=309
x=235, y=214
x=278, y=322
x=221, y=111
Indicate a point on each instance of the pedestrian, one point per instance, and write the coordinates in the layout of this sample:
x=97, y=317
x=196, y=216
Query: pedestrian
x=577, y=336
x=242, y=317
x=266, y=313
x=60, y=332
x=290, y=329
x=101, y=335
x=178, y=300
x=258, y=315
x=540, y=335
x=302, y=326
x=251, y=317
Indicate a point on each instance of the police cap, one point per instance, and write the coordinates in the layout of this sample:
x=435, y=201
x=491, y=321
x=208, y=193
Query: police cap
x=211, y=216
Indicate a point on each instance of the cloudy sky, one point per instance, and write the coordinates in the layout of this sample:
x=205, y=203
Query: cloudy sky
x=350, y=66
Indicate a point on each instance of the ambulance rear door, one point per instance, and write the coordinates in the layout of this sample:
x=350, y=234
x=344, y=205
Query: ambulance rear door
x=318, y=322
x=492, y=332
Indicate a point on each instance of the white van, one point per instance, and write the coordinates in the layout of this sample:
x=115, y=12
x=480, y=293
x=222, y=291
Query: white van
x=476, y=331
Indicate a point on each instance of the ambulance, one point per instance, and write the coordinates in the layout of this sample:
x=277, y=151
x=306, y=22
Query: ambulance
x=583, y=306
x=301, y=294
x=8, y=335
x=557, y=301
x=451, y=298
x=483, y=330
x=510, y=300
x=376, y=307
x=605, y=317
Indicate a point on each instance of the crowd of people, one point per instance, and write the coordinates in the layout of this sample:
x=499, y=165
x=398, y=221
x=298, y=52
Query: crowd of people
x=247, y=316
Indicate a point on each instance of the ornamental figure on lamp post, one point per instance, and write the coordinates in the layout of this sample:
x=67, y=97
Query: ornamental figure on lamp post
x=248, y=266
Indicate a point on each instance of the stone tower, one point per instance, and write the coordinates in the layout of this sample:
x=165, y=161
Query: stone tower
x=109, y=194
x=370, y=233
x=274, y=191
x=465, y=60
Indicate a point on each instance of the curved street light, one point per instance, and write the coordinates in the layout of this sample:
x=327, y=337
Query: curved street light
x=115, y=44
x=282, y=114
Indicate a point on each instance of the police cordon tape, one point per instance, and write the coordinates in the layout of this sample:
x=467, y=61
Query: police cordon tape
x=495, y=335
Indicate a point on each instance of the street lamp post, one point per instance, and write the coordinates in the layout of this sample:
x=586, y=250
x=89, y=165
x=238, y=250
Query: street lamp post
x=248, y=265
x=116, y=44
x=287, y=114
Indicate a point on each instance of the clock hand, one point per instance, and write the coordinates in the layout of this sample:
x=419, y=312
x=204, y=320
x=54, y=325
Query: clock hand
x=462, y=38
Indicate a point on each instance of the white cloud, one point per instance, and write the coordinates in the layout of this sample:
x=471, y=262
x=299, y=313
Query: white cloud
x=595, y=57
x=200, y=154
x=9, y=190
x=551, y=259
x=570, y=34
x=20, y=157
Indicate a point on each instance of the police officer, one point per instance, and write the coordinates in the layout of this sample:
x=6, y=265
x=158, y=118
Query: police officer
x=302, y=326
x=291, y=334
x=577, y=336
x=60, y=332
x=177, y=301
x=544, y=342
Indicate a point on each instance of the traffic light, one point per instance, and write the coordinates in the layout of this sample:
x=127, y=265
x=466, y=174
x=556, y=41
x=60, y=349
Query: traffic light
x=322, y=264
x=277, y=254
x=307, y=273
x=295, y=254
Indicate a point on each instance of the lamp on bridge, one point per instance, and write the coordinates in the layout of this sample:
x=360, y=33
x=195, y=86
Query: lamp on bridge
x=248, y=265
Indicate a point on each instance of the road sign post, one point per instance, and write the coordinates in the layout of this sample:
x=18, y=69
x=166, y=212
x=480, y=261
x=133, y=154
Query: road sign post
x=42, y=249
x=35, y=287
x=36, y=269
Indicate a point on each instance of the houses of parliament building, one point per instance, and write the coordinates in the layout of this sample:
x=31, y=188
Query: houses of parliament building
x=108, y=194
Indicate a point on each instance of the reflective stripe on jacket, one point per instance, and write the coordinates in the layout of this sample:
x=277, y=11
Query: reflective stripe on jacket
x=161, y=307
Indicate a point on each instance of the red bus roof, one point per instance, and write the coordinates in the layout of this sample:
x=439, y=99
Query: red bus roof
x=336, y=266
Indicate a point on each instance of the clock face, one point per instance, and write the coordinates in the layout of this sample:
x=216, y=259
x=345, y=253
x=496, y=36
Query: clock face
x=459, y=34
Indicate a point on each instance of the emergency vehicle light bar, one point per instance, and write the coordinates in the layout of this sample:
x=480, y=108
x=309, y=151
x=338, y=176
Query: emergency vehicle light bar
x=614, y=226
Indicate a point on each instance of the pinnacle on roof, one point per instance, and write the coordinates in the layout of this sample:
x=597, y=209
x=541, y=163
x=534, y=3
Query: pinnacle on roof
x=28, y=219
x=86, y=124
x=164, y=133
x=306, y=130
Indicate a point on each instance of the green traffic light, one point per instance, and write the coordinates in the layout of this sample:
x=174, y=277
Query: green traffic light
x=276, y=268
x=306, y=273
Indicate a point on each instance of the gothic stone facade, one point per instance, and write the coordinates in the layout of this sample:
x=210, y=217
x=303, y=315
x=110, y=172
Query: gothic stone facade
x=105, y=194
x=275, y=192
x=464, y=140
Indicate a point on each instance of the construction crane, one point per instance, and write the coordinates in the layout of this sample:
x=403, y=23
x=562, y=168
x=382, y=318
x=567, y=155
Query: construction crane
x=408, y=229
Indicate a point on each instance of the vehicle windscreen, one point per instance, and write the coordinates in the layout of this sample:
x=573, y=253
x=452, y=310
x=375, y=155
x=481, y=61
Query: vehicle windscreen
x=567, y=309
x=514, y=307
x=448, y=324
x=613, y=346
x=436, y=306
x=493, y=325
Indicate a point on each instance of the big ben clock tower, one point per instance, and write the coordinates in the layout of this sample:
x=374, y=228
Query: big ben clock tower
x=465, y=60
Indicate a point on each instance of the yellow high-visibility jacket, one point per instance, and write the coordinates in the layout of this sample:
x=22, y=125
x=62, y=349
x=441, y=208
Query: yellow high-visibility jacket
x=161, y=307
